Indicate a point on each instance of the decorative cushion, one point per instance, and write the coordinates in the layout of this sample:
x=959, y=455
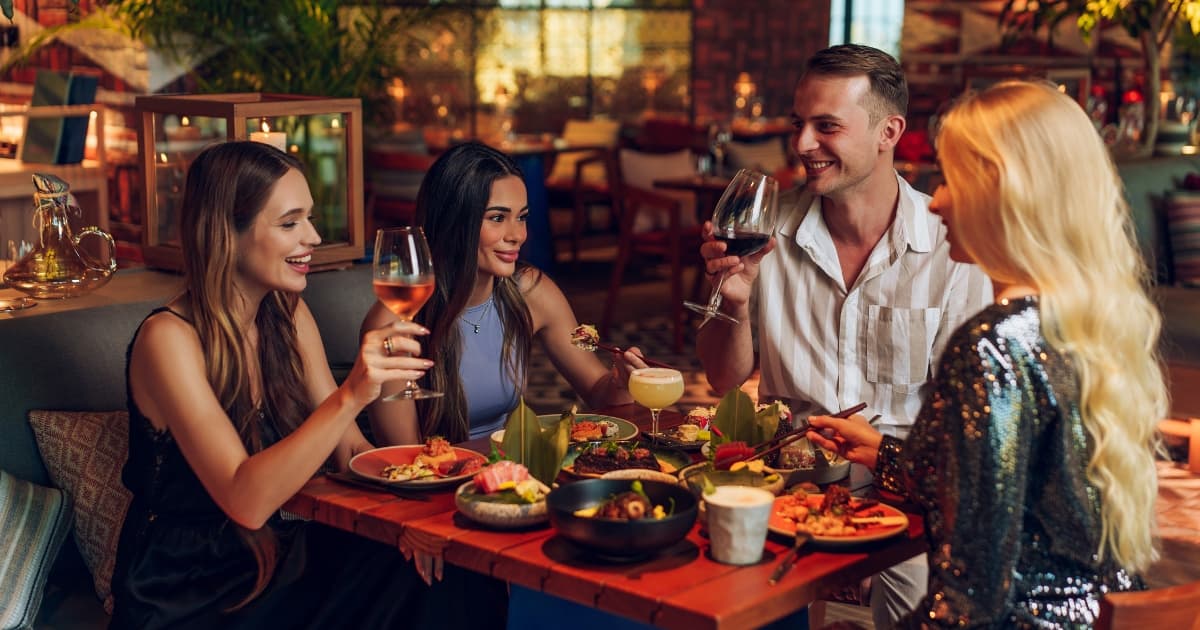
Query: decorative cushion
x=1183, y=224
x=765, y=157
x=597, y=131
x=84, y=452
x=641, y=169
x=35, y=521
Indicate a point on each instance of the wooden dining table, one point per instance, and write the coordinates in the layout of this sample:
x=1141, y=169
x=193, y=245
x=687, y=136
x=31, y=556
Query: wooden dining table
x=680, y=587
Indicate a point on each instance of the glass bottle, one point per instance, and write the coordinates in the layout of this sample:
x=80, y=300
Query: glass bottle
x=56, y=267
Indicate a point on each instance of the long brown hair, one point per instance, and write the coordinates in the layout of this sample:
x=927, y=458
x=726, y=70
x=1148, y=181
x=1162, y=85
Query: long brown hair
x=227, y=186
x=450, y=206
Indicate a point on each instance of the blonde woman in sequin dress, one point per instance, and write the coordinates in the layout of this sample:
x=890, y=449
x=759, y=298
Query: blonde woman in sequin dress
x=1033, y=458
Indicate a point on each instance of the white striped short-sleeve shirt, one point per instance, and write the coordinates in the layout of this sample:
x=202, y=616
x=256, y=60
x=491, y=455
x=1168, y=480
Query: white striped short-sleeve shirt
x=823, y=347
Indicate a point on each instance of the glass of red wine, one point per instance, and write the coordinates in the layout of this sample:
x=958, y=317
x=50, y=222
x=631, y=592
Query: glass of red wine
x=743, y=220
x=403, y=280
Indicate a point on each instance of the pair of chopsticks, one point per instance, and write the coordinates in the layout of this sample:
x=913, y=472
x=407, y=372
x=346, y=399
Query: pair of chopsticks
x=785, y=439
x=618, y=350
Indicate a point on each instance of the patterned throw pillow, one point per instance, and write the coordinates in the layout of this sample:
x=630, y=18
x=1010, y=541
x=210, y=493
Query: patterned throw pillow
x=84, y=452
x=35, y=521
x=1183, y=224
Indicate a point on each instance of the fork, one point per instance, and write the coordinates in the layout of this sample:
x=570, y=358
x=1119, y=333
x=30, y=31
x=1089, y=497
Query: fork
x=789, y=560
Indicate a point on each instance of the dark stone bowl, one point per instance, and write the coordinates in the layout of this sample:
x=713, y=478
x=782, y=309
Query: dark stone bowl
x=621, y=539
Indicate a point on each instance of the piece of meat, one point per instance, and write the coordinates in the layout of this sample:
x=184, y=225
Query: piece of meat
x=489, y=479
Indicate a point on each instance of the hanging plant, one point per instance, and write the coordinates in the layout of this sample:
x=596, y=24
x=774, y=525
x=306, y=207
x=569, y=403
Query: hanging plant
x=1151, y=22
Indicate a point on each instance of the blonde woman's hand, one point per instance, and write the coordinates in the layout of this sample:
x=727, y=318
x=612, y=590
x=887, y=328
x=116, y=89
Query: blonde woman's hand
x=388, y=353
x=742, y=270
x=852, y=438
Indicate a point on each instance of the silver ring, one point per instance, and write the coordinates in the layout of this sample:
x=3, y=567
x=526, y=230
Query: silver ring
x=387, y=346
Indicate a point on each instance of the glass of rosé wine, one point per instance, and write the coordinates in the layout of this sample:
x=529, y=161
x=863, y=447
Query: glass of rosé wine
x=403, y=280
x=743, y=220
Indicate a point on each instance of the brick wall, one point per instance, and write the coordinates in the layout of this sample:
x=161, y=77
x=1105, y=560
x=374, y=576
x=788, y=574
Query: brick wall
x=769, y=39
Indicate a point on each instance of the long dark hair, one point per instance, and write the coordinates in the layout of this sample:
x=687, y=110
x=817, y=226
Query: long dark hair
x=227, y=186
x=450, y=208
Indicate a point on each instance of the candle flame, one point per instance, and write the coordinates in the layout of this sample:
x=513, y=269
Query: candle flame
x=336, y=123
x=183, y=122
x=265, y=127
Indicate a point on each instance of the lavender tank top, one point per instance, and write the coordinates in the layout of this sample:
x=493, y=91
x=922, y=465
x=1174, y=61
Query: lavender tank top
x=491, y=393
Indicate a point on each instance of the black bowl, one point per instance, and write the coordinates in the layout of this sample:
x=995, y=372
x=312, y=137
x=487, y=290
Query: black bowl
x=621, y=539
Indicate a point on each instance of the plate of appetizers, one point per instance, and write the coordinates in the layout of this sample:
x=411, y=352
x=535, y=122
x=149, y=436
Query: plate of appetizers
x=431, y=465
x=591, y=427
x=594, y=459
x=835, y=518
x=503, y=495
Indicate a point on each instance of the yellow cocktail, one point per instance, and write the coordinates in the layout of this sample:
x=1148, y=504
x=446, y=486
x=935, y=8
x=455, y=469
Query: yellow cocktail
x=656, y=388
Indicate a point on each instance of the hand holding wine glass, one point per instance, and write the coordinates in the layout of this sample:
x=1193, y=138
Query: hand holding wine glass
x=403, y=280
x=743, y=220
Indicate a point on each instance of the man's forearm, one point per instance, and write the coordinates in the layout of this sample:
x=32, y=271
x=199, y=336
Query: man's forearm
x=727, y=351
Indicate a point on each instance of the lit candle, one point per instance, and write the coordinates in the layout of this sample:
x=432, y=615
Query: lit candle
x=277, y=139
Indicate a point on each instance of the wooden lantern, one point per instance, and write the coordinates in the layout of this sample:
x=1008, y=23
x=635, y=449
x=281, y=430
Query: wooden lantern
x=324, y=133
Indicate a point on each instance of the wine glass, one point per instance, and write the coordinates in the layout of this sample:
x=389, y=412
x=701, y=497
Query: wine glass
x=656, y=388
x=403, y=280
x=743, y=220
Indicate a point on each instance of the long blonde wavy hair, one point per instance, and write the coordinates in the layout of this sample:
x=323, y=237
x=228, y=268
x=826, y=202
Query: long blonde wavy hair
x=1037, y=201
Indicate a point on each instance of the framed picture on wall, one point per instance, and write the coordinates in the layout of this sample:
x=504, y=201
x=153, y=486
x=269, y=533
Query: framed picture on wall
x=1075, y=82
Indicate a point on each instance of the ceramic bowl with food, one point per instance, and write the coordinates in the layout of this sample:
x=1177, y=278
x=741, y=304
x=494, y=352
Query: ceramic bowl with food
x=617, y=538
x=503, y=511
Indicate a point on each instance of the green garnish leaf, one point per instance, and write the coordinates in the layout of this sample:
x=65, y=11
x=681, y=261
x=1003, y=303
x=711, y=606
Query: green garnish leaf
x=636, y=486
x=540, y=448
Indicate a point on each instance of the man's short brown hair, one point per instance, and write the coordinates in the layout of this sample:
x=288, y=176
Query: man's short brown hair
x=889, y=90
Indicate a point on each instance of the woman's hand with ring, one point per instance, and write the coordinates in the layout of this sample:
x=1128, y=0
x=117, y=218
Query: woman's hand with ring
x=388, y=353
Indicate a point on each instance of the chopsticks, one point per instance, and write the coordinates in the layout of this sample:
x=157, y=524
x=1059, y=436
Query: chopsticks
x=785, y=439
x=618, y=350
x=350, y=480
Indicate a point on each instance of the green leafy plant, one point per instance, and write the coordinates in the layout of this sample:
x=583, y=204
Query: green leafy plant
x=1152, y=22
x=316, y=47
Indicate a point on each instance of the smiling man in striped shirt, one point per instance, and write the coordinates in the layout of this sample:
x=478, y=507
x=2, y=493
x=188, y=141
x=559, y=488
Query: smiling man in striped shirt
x=855, y=296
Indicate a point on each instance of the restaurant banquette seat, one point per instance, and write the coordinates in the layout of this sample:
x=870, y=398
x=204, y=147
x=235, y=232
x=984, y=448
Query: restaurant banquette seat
x=74, y=361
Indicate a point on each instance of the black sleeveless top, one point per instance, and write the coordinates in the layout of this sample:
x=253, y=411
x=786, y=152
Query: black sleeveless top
x=181, y=562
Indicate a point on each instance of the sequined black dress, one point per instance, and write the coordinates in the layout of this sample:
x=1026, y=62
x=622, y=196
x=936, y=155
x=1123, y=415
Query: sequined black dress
x=997, y=461
x=180, y=562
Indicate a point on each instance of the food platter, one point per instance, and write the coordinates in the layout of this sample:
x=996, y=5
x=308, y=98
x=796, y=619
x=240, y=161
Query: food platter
x=670, y=460
x=625, y=430
x=370, y=464
x=889, y=522
x=670, y=437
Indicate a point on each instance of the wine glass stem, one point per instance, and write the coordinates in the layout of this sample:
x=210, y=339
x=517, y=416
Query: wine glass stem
x=714, y=300
x=654, y=421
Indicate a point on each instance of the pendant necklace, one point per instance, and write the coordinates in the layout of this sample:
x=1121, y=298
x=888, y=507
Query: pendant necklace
x=482, y=315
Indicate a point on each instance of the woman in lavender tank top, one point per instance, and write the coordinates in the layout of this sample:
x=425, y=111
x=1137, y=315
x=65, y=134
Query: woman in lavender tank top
x=487, y=309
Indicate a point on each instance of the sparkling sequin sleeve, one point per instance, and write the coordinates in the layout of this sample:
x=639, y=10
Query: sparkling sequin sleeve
x=966, y=463
x=889, y=472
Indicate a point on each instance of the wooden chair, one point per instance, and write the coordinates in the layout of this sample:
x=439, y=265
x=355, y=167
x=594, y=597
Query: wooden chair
x=583, y=176
x=677, y=241
x=1172, y=607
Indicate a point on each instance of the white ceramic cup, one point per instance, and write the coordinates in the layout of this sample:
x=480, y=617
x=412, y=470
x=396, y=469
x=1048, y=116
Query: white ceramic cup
x=737, y=523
